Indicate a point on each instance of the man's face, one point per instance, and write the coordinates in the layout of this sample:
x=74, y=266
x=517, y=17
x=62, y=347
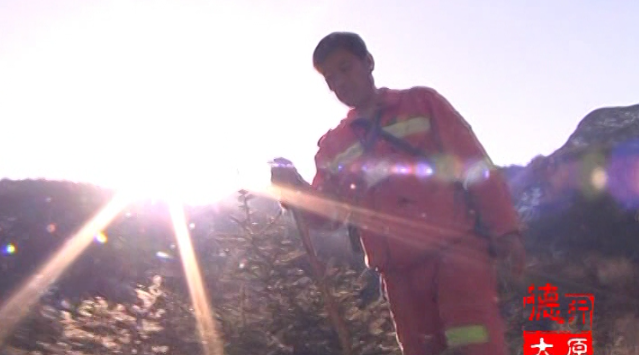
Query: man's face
x=348, y=77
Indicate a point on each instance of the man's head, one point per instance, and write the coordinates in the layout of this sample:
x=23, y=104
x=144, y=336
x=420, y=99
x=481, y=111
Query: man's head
x=347, y=66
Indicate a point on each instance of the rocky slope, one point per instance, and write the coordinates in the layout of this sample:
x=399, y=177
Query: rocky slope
x=580, y=204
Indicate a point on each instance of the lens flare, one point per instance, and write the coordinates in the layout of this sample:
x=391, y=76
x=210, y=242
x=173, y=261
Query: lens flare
x=9, y=249
x=23, y=300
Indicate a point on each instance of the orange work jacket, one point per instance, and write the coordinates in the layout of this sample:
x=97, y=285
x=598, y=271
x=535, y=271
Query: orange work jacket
x=405, y=206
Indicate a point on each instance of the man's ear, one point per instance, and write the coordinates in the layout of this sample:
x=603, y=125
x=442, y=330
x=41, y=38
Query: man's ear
x=370, y=62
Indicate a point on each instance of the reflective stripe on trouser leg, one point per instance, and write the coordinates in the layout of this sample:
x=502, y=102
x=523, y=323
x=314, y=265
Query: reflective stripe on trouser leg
x=415, y=313
x=466, y=335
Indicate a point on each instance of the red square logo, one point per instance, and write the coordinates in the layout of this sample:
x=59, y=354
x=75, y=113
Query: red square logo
x=546, y=303
x=557, y=343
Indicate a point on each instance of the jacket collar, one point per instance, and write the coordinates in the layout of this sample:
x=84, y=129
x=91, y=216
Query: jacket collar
x=388, y=98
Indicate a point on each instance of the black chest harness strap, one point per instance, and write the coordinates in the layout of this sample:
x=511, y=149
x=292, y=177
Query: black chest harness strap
x=373, y=132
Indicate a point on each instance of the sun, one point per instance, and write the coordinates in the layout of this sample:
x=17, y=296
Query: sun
x=150, y=106
x=192, y=183
x=178, y=186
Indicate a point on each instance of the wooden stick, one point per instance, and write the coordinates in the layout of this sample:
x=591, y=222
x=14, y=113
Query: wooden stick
x=329, y=300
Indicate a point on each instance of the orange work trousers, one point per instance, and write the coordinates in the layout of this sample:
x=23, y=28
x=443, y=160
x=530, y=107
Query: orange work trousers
x=448, y=302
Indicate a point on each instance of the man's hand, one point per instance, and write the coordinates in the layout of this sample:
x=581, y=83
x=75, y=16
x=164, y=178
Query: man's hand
x=510, y=248
x=285, y=175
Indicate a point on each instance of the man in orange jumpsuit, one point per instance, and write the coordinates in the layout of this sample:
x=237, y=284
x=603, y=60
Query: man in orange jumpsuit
x=432, y=211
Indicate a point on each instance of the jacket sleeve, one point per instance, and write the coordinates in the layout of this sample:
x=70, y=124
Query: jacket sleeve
x=489, y=194
x=321, y=209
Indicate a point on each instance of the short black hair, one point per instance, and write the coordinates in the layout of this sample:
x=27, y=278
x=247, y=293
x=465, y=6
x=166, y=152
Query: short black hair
x=349, y=41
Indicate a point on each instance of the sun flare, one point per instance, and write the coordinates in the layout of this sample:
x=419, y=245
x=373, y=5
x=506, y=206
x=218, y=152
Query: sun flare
x=195, y=184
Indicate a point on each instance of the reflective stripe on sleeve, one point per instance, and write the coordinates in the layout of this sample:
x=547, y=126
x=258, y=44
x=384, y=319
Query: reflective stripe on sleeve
x=416, y=125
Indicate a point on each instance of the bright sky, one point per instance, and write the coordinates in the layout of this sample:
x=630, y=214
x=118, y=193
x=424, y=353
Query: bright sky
x=114, y=92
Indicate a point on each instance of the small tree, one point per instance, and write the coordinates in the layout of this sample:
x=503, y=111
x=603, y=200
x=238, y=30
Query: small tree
x=278, y=305
x=96, y=326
